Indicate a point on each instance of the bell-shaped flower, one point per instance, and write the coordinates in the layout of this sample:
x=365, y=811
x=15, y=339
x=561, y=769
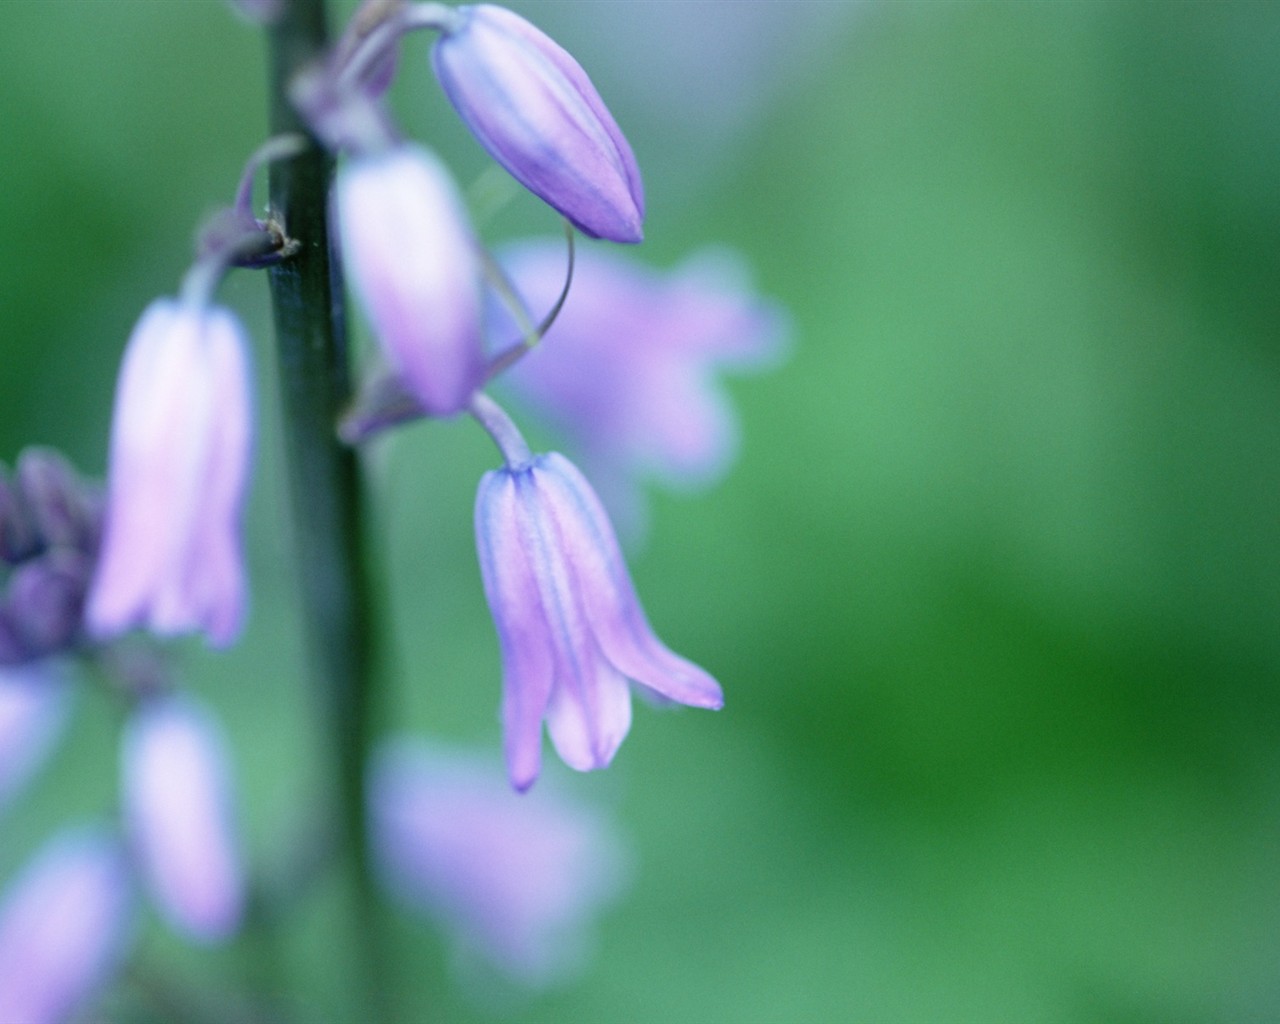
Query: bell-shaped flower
x=515, y=880
x=629, y=372
x=531, y=105
x=570, y=626
x=64, y=924
x=412, y=260
x=34, y=701
x=171, y=555
x=177, y=794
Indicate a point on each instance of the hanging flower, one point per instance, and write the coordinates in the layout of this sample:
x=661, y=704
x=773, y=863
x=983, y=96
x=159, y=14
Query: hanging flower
x=570, y=625
x=412, y=260
x=171, y=557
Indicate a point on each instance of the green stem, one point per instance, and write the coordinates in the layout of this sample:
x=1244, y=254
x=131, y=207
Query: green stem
x=307, y=297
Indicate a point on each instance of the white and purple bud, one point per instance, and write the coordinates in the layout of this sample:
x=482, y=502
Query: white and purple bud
x=531, y=105
x=177, y=793
x=515, y=880
x=412, y=259
x=34, y=702
x=570, y=626
x=64, y=926
x=171, y=557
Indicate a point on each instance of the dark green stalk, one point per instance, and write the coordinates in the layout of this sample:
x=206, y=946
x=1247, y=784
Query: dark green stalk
x=307, y=296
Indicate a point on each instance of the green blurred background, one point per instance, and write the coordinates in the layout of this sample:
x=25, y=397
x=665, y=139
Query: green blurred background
x=994, y=590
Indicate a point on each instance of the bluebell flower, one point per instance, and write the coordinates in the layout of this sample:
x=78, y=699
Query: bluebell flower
x=64, y=925
x=177, y=794
x=571, y=628
x=629, y=374
x=515, y=880
x=412, y=261
x=171, y=557
x=531, y=105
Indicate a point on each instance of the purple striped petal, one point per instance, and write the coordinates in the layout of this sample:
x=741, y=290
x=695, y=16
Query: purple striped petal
x=531, y=105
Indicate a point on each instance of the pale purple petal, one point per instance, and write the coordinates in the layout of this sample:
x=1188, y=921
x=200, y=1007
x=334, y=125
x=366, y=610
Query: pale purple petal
x=64, y=924
x=177, y=796
x=412, y=261
x=531, y=105
x=617, y=621
x=512, y=592
x=516, y=879
x=34, y=701
x=170, y=556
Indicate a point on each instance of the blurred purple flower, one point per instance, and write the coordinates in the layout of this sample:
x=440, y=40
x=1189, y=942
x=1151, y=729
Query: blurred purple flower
x=412, y=260
x=570, y=625
x=628, y=371
x=516, y=880
x=34, y=701
x=177, y=796
x=180, y=438
x=534, y=109
x=64, y=923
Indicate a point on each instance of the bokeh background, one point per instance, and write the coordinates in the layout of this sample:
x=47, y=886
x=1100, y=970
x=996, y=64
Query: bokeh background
x=994, y=590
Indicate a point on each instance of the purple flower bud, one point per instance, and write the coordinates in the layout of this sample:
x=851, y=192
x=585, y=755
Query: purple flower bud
x=570, y=625
x=514, y=879
x=180, y=438
x=411, y=257
x=45, y=601
x=535, y=110
x=628, y=371
x=177, y=799
x=62, y=508
x=34, y=702
x=18, y=538
x=64, y=924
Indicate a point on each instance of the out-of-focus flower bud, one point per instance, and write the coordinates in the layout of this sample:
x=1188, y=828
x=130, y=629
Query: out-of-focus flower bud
x=34, y=700
x=531, y=105
x=516, y=880
x=411, y=257
x=44, y=602
x=63, y=509
x=177, y=795
x=64, y=923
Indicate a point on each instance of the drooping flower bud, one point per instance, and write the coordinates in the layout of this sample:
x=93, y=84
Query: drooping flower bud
x=177, y=796
x=180, y=437
x=64, y=923
x=570, y=625
x=531, y=105
x=514, y=879
x=411, y=257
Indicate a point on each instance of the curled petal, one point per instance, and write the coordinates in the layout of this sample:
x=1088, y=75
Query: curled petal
x=531, y=105
x=64, y=924
x=177, y=795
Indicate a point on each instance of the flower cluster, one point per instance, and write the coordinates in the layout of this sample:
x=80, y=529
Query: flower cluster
x=627, y=374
